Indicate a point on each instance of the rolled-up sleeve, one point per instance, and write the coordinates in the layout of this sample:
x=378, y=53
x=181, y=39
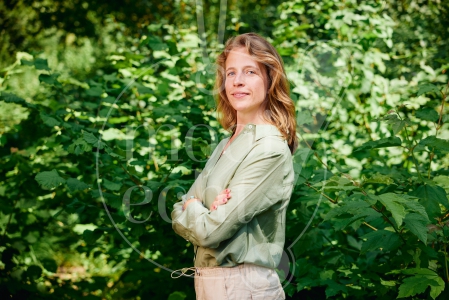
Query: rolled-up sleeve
x=255, y=187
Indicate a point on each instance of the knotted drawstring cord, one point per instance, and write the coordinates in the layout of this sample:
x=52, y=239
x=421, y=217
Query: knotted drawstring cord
x=183, y=272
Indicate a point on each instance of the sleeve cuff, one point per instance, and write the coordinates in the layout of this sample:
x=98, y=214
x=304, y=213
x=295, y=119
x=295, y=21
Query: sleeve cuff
x=184, y=221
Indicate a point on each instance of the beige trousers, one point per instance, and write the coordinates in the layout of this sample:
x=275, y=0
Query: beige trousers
x=245, y=281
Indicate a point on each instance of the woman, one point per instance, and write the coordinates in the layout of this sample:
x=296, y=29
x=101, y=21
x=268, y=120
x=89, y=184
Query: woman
x=234, y=214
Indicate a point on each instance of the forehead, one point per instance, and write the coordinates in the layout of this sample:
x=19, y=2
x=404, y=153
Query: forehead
x=240, y=57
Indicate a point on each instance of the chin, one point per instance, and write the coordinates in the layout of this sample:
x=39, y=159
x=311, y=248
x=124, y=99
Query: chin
x=239, y=108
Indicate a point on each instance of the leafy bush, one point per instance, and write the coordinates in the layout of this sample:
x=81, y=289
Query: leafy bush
x=91, y=169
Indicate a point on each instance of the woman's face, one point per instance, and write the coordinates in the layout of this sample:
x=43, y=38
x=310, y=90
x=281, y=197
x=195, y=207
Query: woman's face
x=246, y=83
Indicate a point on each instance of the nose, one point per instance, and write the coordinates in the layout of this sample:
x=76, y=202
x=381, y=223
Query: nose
x=239, y=80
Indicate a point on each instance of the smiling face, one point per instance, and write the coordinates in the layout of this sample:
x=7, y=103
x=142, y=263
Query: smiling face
x=246, y=85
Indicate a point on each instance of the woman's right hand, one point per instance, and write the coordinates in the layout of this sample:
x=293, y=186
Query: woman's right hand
x=221, y=199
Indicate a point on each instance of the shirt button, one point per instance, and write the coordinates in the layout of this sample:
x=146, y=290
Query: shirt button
x=250, y=126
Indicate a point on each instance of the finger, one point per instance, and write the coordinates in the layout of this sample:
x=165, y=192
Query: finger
x=222, y=199
x=219, y=197
x=224, y=195
x=225, y=191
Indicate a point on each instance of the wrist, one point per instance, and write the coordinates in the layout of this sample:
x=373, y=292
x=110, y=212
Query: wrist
x=188, y=201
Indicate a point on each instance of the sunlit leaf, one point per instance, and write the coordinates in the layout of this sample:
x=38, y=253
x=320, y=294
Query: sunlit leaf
x=418, y=284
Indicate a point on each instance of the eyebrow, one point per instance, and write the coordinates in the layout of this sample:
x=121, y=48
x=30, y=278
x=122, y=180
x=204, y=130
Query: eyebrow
x=245, y=67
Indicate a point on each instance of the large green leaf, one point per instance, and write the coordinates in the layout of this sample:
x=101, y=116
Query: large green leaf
x=93, y=140
x=49, y=121
x=49, y=179
x=90, y=138
x=418, y=284
x=380, y=239
x=351, y=212
x=156, y=44
x=11, y=98
x=413, y=206
x=41, y=64
x=111, y=185
x=333, y=288
x=393, y=141
x=419, y=271
x=397, y=123
x=353, y=208
x=76, y=185
x=428, y=114
x=417, y=224
x=79, y=146
x=430, y=197
x=95, y=92
x=437, y=143
x=48, y=79
x=414, y=285
x=427, y=88
x=304, y=117
x=394, y=204
x=91, y=236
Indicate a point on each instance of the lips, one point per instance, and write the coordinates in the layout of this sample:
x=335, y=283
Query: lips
x=239, y=94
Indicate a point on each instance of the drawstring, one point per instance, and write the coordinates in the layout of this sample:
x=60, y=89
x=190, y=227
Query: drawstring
x=183, y=272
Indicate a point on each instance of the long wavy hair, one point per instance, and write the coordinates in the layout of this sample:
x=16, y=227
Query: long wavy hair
x=279, y=107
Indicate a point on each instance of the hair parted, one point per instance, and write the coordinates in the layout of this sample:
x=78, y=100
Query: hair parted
x=279, y=107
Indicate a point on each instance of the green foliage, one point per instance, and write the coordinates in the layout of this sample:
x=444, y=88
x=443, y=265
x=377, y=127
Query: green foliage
x=382, y=143
x=93, y=160
x=49, y=179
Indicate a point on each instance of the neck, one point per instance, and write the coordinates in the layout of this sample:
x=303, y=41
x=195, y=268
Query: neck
x=243, y=120
x=255, y=118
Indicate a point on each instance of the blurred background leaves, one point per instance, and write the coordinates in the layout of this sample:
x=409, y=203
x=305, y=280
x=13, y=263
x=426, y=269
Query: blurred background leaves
x=117, y=87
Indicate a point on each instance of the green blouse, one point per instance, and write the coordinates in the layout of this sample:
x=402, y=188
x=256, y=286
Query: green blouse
x=250, y=228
